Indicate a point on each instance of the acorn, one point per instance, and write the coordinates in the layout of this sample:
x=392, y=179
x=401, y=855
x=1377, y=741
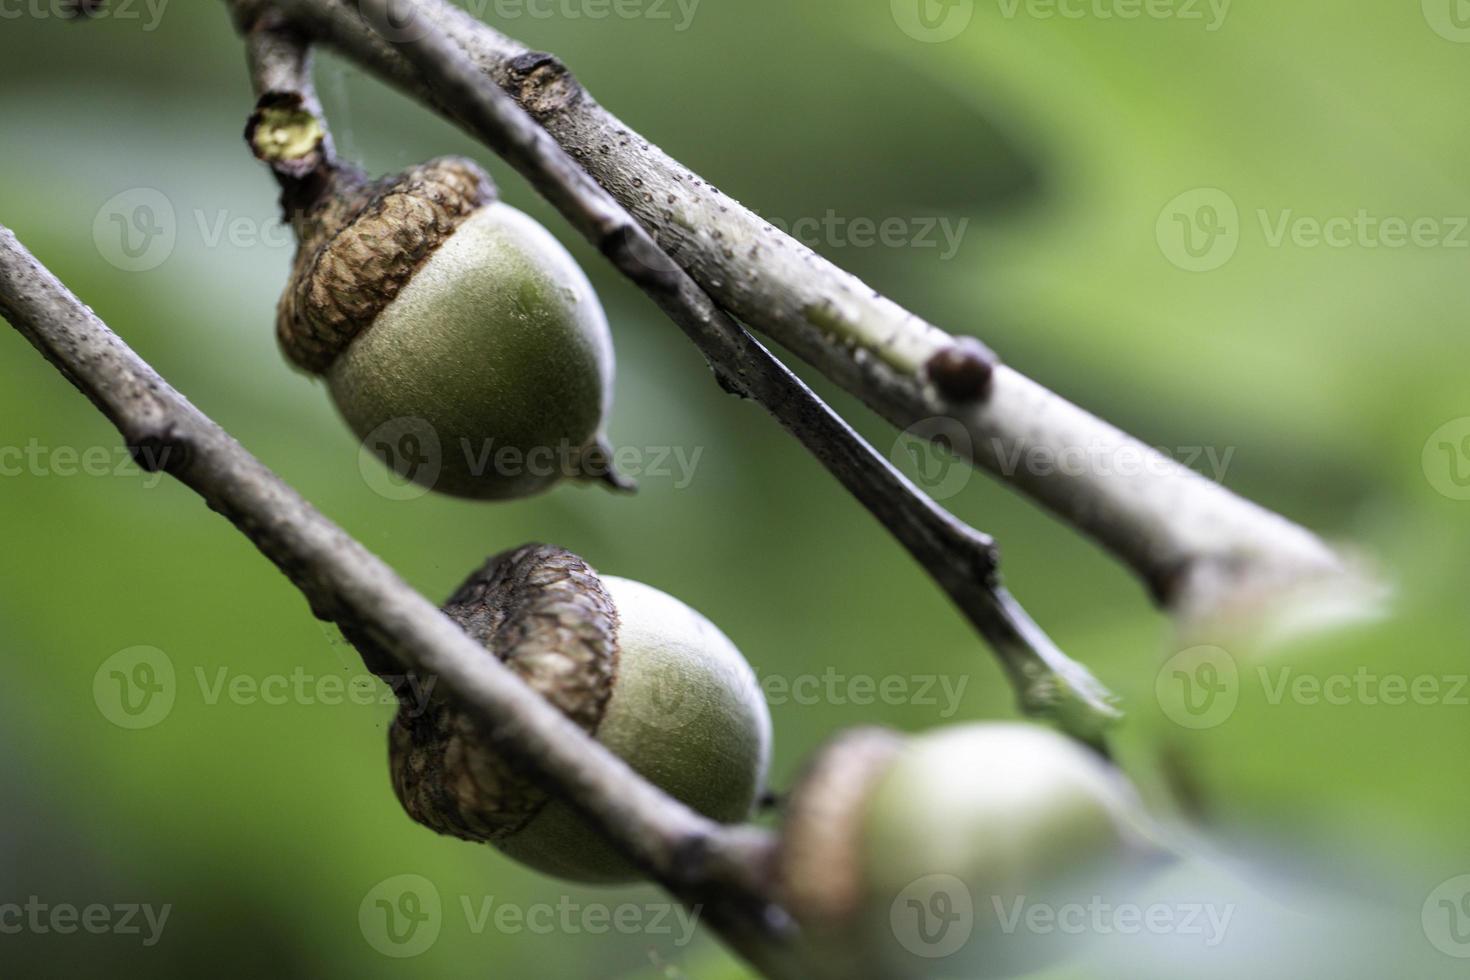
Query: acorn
x=923, y=856
x=457, y=337
x=647, y=676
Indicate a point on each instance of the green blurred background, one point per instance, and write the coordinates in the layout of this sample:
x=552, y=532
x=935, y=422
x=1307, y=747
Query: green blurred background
x=1058, y=147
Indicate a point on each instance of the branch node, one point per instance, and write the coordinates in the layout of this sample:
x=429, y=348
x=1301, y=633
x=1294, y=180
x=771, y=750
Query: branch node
x=964, y=371
x=161, y=452
x=542, y=84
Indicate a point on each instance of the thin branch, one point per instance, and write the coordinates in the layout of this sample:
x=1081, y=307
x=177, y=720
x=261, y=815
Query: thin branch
x=722, y=870
x=962, y=560
x=1200, y=548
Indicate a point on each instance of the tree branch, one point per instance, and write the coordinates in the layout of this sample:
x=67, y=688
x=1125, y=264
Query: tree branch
x=722, y=870
x=962, y=560
x=1201, y=549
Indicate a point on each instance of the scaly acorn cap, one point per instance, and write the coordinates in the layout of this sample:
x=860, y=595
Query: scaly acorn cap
x=545, y=613
x=820, y=860
x=362, y=243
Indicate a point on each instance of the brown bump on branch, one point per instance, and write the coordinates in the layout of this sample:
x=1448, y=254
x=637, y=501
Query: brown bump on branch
x=543, y=85
x=162, y=452
x=963, y=371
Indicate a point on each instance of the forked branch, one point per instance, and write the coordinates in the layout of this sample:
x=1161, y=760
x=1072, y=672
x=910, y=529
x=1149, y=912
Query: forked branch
x=962, y=560
x=1199, y=548
x=719, y=869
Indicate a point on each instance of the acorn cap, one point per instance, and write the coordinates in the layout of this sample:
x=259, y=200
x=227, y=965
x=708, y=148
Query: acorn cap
x=819, y=861
x=362, y=244
x=545, y=613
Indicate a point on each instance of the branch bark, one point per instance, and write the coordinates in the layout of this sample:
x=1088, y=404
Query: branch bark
x=963, y=561
x=1200, y=549
x=721, y=870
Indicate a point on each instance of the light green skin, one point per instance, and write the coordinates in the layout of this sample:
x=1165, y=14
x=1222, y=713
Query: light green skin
x=497, y=341
x=686, y=713
x=1012, y=811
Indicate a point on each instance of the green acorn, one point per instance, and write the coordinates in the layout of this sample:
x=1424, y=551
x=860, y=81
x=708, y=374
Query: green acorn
x=432, y=309
x=651, y=679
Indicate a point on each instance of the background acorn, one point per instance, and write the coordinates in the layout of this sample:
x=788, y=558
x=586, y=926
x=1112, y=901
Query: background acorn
x=649, y=677
x=431, y=307
x=902, y=856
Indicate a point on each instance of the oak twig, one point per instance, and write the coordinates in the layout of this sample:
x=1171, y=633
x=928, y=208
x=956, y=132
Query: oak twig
x=722, y=870
x=962, y=560
x=1200, y=549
